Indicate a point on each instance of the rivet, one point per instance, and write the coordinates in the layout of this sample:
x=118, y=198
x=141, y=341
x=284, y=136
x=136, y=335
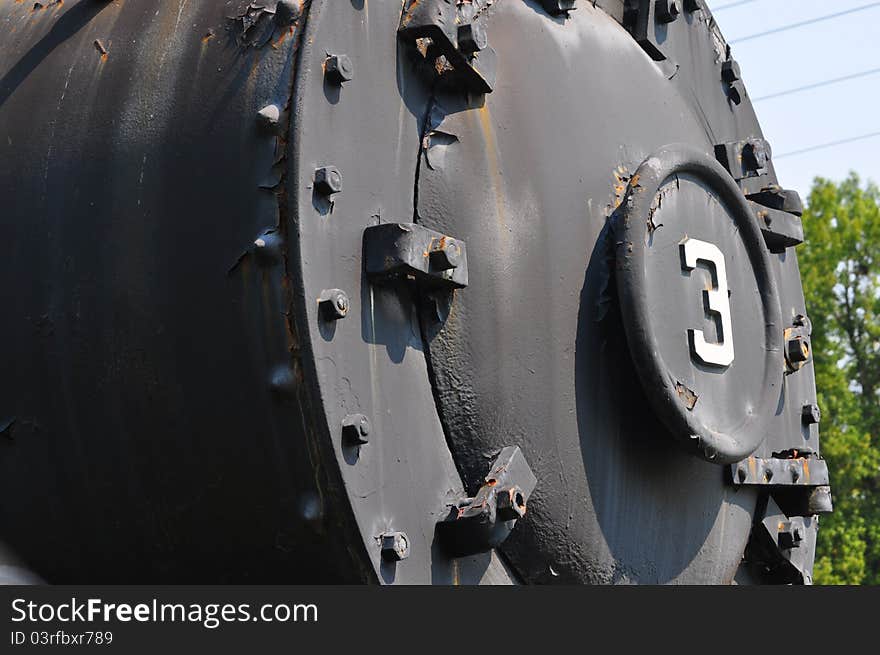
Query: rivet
x=269, y=115
x=267, y=247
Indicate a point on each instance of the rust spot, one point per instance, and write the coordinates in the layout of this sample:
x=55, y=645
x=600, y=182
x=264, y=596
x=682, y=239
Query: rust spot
x=208, y=36
x=687, y=396
x=491, y=482
x=101, y=50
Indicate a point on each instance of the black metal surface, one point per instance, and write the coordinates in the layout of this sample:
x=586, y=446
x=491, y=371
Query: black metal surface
x=163, y=433
x=231, y=368
x=720, y=412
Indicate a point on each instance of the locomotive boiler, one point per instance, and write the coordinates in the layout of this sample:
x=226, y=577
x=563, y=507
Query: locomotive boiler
x=419, y=291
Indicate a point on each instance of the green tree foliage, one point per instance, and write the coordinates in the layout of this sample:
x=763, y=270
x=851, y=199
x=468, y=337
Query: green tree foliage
x=840, y=266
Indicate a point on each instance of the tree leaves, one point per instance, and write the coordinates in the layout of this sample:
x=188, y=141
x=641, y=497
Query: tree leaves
x=840, y=268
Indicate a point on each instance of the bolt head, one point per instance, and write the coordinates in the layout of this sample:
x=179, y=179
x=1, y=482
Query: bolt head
x=730, y=71
x=446, y=254
x=790, y=535
x=338, y=69
x=472, y=38
x=667, y=10
x=356, y=429
x=395, y=546
x=510, y=503
x=333, y=304
x=328, y=180
x=755, y=155
x=798, y=350
x=556, y=7
x=811, y=414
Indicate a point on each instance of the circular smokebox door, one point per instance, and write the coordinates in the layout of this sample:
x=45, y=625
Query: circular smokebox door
x=699, y=303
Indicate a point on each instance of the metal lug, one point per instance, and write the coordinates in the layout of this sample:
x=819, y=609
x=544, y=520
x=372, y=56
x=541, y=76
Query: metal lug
x=478, y=524
x=408, y=251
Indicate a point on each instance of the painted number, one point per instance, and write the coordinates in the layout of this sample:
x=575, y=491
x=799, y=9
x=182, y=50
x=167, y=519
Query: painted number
x=717, y=303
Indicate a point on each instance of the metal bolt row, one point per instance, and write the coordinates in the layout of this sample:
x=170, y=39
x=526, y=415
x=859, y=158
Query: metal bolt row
x=334, y=303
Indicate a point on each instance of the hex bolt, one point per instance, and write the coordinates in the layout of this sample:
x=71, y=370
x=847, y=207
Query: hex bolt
x=395, y=546
x=667, y=10
x=789, y=536
x=333, y=304
x=510, y=503
x=472, y=38
x=756, y=154
x=730, y=71
x=811, y=414
x=797, y=351
x=269, y=116
x=338, y=69
x=445, y=254
x=328, y=180
x=356, y=429
x=556, y=7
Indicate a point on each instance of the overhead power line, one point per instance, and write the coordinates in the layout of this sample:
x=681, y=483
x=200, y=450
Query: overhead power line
x=794, y=26
x=731, y=5
x=817, y=85
x=831, y=144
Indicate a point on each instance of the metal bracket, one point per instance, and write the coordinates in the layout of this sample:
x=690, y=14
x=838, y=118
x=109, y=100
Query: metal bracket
x=439, y=22
x=781, y=229
x=787, y=544
x=650, y=22
x=748, y=161
x=805, y=471
x=408, y=251
x=481, y=523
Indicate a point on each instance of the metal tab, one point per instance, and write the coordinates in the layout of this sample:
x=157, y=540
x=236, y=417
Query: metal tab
x=395, y=251
x=806, y=471
x=438, y=21
x=480, y=523
x=781, y=229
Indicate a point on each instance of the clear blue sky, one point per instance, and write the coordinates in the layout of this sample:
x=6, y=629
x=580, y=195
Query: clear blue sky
x=814, y=53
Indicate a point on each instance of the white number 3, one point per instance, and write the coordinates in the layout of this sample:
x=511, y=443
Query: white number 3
x=717, y=302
